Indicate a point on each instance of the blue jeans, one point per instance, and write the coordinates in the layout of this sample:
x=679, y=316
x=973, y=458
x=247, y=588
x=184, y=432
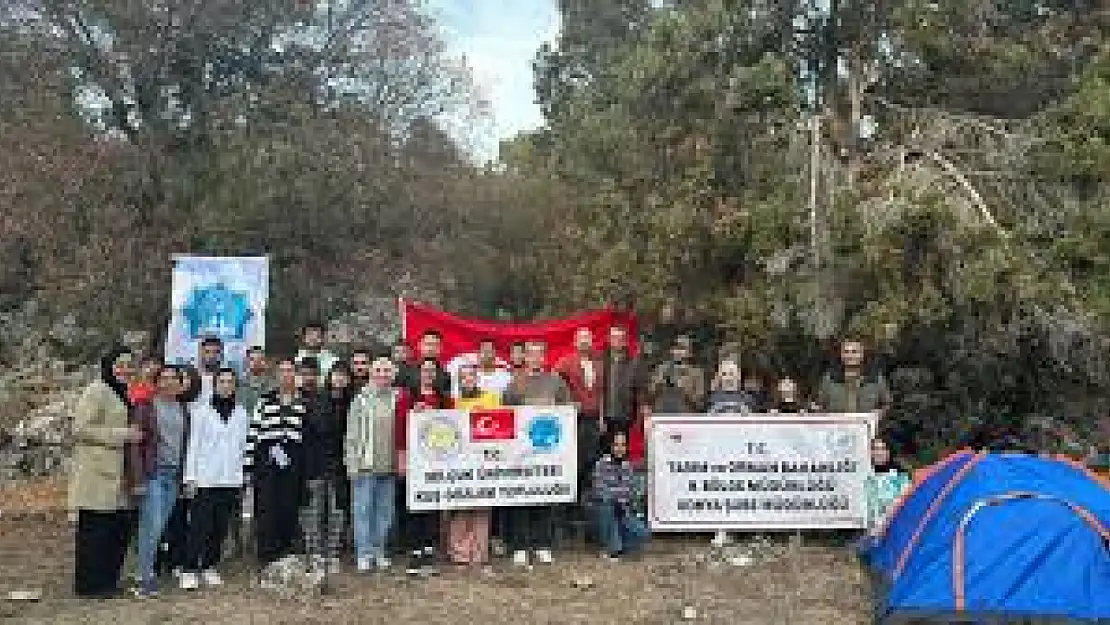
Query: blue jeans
x=154, y=513
x=621, y=534
x=372, y=513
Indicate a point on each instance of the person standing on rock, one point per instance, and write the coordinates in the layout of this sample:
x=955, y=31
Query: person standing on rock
x=213, y=478
x=531, y=528
x=98, y=488
x=274, y=462
x=159, y=463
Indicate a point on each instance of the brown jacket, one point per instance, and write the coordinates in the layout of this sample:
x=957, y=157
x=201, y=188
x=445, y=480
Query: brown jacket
x=100, y=427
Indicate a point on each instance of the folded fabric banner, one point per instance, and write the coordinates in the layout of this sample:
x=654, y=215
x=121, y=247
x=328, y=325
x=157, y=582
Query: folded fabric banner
x=461, y=334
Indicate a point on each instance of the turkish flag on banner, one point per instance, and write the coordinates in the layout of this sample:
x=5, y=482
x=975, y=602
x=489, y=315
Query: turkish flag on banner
x=492, y=424
x=461, y=334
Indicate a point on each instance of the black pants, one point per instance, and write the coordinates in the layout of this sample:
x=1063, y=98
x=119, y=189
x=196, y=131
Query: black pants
x=175, y=539
x=415, y=530
x=529, y=527
x=277, y=495
x=101, y=545
x=589, y=450
x=210, y=513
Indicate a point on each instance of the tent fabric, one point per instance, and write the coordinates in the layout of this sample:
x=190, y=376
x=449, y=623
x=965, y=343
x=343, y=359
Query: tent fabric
x=997, y=535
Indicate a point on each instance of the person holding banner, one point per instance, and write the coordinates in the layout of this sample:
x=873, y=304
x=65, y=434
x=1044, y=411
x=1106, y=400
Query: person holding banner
x=468, y=530
x=374, y=455
x=531, y=528
x=422, y=528
x=619, y=530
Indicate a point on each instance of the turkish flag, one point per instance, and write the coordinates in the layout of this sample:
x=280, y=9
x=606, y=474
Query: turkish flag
x=492, y=424
x=461, y=334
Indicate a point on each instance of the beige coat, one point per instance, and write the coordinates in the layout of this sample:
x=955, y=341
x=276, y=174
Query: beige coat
x=100, y=431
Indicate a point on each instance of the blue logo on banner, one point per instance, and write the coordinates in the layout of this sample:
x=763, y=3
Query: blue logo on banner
x=217, y=311
x=545, y=432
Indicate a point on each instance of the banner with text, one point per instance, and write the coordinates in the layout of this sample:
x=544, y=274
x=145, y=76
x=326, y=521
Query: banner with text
x=221, y=296
x=510, y=456
x=719, y=472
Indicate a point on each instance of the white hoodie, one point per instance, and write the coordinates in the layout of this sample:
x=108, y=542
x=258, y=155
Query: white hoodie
x=215, y=452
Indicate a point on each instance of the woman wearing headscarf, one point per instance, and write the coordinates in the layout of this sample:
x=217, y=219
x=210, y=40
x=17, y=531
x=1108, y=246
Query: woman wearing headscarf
x=99, y=492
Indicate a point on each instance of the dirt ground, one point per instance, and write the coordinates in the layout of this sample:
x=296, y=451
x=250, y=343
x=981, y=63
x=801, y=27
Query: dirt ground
x=786, y=583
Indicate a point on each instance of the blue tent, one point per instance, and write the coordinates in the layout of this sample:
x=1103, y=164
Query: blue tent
x=996, y=537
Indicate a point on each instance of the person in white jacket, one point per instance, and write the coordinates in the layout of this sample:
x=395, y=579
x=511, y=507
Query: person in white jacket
x=213, y=477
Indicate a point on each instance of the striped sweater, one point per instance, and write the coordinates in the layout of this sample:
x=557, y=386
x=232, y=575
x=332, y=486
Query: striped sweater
x=273, y=426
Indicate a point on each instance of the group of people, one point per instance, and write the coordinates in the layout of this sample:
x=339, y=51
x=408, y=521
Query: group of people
x=311, y=446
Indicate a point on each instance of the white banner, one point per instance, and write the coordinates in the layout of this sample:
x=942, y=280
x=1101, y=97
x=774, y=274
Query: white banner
x=758, y=472
x=223, y=297
x=510, y=456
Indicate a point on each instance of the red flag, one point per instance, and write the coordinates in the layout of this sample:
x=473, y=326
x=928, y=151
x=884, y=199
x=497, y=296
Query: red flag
x=461, y=335
x=492, y=424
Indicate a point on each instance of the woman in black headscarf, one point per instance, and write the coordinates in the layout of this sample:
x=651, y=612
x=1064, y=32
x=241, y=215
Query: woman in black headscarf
x=99, y=489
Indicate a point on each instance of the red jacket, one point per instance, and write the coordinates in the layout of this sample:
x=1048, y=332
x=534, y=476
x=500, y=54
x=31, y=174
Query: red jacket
x=569, y=367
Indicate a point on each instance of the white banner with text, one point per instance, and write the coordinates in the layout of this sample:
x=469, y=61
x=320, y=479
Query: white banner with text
x=758, y=472
x=482, y=458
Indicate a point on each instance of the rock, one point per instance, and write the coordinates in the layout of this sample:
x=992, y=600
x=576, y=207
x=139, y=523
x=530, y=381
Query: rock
x=584, y=583
x=25, y=595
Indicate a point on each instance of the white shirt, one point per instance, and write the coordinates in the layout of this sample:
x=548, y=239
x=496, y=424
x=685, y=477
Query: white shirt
x=495, y=381
x=588, y=372
x=214, y=455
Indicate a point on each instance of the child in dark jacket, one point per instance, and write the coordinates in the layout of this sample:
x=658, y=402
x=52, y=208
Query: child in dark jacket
x=619, y=529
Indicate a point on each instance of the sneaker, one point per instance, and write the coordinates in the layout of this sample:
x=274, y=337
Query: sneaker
x=520, y=558
x=543, y=556
x=382, y=563
x=189, y=581
x=497, y=547
x=429, y=561
x=146, y=589
x=611, y=557
x=334, y=567
x=416, y=562
x=211, y=577
x=365, y=564
x=720, y=539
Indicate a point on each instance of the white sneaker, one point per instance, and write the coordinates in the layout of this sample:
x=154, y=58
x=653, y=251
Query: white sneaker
x=189, y=581
x=211, y=577
x=543, y=556
x=520, y=558
x=720, y=539
x=365, y=564
x=610, y=557
x=334, y=567
x=382, y=563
